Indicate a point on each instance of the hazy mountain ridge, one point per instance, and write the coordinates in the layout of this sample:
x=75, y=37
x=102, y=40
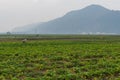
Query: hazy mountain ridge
x=27, y=28
x=93, y=18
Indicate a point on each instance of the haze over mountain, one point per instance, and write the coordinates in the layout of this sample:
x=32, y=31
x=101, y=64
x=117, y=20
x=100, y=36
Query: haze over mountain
x=93, y=18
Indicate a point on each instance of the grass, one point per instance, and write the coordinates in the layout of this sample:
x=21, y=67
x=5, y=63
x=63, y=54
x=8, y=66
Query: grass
x=76, y=57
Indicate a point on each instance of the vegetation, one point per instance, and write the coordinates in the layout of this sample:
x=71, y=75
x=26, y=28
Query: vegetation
x=60, y=57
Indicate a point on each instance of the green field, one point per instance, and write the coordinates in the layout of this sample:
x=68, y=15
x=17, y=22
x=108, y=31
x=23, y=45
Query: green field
x=60, y=57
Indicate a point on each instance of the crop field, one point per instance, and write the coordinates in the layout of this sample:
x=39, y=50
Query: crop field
x=60, y=57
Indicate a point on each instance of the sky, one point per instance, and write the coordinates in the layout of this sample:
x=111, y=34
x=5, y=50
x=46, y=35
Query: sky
x=16, y=13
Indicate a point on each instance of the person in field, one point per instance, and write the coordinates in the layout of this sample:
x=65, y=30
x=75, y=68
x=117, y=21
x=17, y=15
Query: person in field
x=24, y=40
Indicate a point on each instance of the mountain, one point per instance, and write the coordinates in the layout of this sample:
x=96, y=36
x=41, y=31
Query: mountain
x=93, y=18
x=30, y=28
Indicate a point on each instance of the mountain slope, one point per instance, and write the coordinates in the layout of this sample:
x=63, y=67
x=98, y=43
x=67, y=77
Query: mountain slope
x=30, y=28
x=93, y=18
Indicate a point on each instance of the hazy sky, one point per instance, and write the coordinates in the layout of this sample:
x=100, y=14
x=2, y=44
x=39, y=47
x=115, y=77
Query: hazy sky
x=14, y=13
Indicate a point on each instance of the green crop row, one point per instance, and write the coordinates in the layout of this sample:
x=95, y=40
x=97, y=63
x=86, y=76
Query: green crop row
x=60, y=60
